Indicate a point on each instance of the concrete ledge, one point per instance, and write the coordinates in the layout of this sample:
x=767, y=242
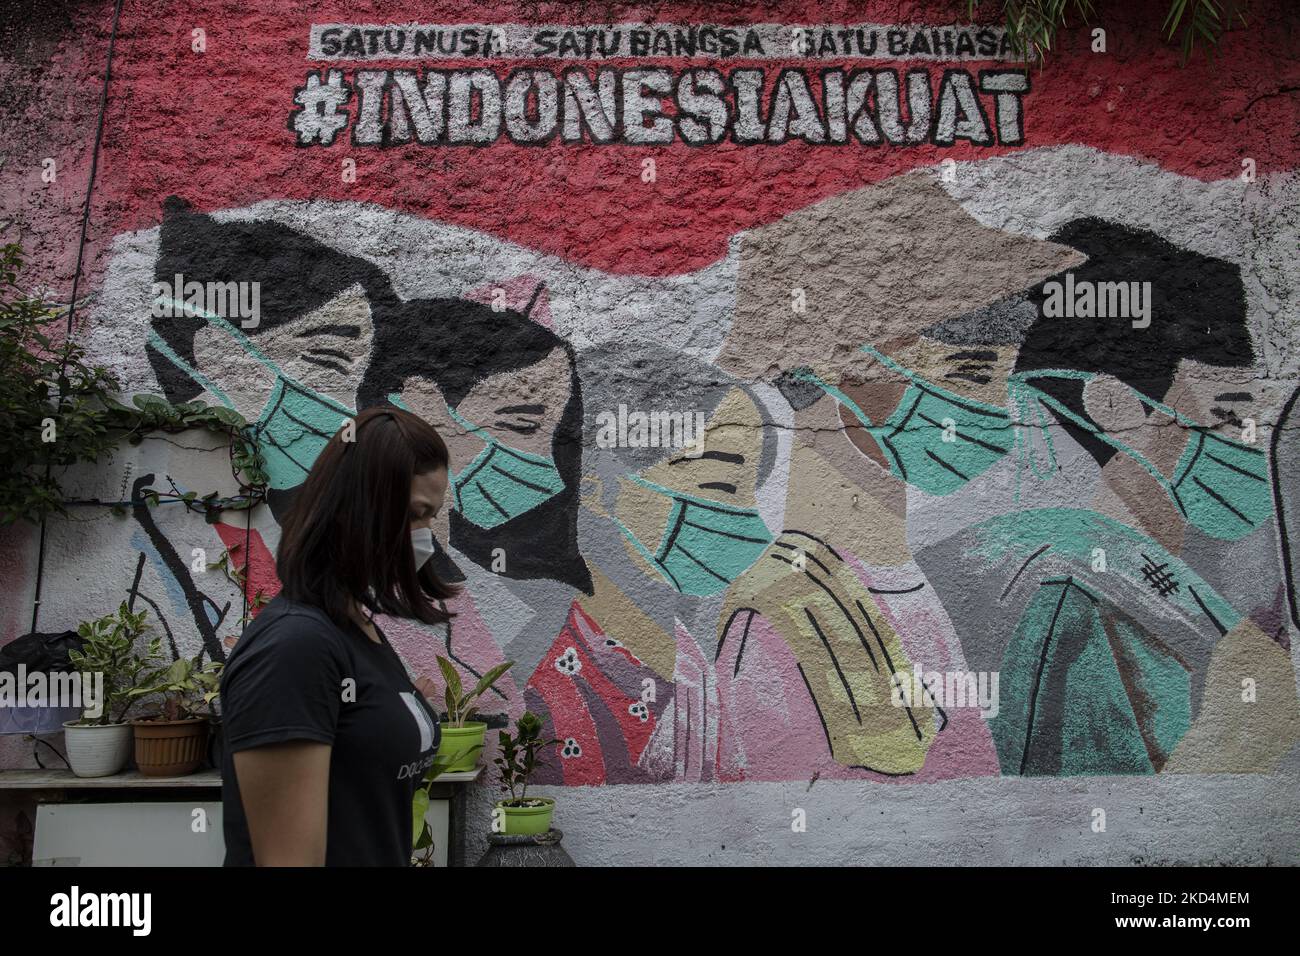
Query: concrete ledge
x=1247, y=819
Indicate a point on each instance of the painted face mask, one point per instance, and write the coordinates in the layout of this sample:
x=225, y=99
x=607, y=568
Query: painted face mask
x=502, y=482
x=295, y=423
x=935, y=440
x=1220, y=486
x=706, y=544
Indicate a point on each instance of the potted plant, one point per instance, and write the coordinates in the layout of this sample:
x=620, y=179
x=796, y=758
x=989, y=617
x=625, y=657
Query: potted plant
x=423, y=834
x=520, y=814
x=172, y=740
x=462, y=738
x=98, y=745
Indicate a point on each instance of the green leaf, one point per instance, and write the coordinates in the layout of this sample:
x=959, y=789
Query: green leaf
x=419, y=806
x=228, y=416
x=490, y=678
x=452, y=679
x=151, y=403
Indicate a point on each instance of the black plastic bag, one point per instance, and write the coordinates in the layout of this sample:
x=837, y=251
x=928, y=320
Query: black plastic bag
x=40, y=652
x=37, y=653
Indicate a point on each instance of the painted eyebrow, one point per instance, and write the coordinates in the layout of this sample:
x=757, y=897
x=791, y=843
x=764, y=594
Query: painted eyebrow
x=981, y=356
x=521, y=409
x=325, y=364
x=346, y=331
x=1235, y=397
x=719, y=486
x=726, y=456
x=343, y=355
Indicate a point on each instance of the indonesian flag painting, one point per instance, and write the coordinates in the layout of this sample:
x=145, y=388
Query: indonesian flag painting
x=828, y=394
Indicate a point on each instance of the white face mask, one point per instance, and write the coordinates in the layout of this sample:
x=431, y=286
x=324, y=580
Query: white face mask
x=422, y=544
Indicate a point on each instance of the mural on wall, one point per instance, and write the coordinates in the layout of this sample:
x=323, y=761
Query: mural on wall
x=954, y=471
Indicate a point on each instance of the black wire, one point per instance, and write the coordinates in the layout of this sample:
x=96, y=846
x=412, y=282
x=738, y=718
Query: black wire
x=76, y=281
x=36, y=752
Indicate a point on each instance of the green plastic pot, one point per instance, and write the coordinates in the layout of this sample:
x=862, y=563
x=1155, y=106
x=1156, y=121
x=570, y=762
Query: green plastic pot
x=460, y=746
x=528, y=821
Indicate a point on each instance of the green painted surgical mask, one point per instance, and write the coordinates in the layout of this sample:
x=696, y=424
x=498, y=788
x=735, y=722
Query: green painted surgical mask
x=705, y=544
x=501, y=482
x=935, y=440
x=296, y=422
x=1220, y=486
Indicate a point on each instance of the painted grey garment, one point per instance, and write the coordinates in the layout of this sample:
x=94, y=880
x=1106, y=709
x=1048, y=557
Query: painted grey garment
x=1101, y=671
x=285, y=680
x=1286, y=489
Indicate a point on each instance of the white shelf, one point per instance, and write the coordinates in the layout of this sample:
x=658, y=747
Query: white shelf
x=134, y=780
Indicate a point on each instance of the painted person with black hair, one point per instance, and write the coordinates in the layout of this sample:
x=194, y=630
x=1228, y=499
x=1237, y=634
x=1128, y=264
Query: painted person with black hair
x=333, y=337
x=1160, y=408
x=1106, y=615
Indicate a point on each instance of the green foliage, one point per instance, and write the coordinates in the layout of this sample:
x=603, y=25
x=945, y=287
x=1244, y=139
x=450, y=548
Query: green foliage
x=1205, y=19
x=108, y=648
x=56, y=410
x=519, y=754
x=460, y=705
x=422, y=833
x=1032, y=25
x=49, y=414
x=236, y=574
x=188, y=688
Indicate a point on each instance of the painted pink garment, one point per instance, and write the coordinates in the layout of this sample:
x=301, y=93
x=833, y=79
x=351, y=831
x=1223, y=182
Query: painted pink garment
x=965, y=746
x=746, y=716
x=749, y=715
x=771, y=727
x=467, y=643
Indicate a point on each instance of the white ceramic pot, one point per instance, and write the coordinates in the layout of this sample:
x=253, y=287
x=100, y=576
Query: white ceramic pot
x=97, y=751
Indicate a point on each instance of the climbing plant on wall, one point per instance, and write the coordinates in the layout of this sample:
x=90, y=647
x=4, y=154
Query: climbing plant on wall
x=1032, y=25
x=57, y=409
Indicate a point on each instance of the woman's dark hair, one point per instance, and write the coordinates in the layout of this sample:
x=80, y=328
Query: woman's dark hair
x=347, y=535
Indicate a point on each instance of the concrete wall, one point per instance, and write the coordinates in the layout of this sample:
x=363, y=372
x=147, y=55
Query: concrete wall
x=989, y=553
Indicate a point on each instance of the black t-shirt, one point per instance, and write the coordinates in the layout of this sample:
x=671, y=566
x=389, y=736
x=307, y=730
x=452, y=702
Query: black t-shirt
x=295, y=675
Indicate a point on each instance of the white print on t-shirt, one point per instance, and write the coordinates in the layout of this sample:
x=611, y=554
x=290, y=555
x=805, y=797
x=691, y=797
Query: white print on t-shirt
x=416, y=768
x=422, y=720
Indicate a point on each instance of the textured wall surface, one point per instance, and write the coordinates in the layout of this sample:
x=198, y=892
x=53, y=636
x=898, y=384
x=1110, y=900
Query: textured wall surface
x=884, y=453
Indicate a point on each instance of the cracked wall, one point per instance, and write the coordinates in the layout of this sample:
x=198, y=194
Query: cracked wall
x=856, y=420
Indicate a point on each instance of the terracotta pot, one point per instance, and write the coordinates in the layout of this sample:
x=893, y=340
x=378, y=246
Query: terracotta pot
x=170, y=748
